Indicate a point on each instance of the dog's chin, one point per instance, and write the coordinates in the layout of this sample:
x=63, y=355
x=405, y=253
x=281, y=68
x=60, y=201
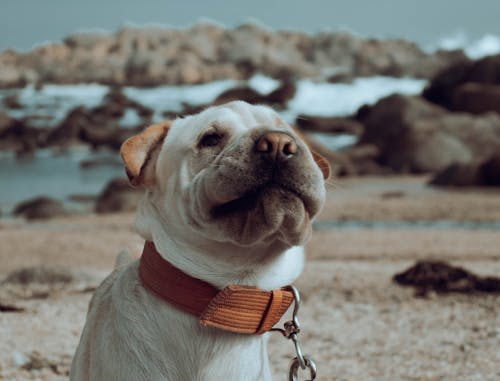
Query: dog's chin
x=268, y=214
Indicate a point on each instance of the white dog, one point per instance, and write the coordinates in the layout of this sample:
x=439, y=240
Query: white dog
x=229, y=198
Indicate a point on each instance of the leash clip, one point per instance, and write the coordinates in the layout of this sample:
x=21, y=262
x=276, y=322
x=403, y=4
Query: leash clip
x=290, y=330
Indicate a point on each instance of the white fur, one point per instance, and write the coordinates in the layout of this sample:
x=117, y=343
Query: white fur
x=131, y=334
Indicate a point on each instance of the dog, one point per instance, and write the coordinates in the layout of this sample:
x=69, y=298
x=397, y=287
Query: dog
x=230, y=194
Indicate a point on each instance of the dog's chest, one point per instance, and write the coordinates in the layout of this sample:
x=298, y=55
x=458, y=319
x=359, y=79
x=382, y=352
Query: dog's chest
x=191, y=352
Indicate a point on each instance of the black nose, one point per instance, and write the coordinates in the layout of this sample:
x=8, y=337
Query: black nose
x=276, y=145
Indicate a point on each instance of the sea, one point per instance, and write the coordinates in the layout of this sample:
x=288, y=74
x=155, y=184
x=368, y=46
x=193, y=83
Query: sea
x=59, y=174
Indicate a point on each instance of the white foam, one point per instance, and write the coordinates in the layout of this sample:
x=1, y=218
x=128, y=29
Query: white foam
x=171, y=98
x=263, y=84
x=334, y=99
x=488, y=44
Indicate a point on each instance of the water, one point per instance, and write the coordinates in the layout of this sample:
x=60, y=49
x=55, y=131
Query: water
x=434, y=225
x=53, y=175
x=59, y=175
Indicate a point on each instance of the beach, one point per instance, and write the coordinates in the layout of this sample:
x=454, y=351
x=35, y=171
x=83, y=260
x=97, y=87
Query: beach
x=357, y=323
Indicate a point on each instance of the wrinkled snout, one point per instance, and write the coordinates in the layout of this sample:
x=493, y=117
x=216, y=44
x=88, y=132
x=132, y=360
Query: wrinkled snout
x=276, y=146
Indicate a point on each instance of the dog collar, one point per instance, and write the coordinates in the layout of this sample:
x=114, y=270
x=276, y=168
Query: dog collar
x=241, y=309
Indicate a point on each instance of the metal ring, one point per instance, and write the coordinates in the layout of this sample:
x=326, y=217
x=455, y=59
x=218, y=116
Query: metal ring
x=294, y=368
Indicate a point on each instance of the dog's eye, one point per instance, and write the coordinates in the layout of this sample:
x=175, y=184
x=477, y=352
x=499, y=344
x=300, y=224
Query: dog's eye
x=210, y=140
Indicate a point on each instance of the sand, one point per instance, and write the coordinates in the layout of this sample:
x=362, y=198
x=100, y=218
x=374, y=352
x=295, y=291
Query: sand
x=357, y=324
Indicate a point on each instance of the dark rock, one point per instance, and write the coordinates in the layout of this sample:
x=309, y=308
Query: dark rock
x=106, y=135
x=414, y=135
x=490, y=171
x=83, y=198
x=457, y=175
x=69, y=130
x=283, y=94
x=40, y=275
x=17, y=136
x=476, y=98
x=118, y=196
x=337, y=125
x=441, y=87
x=40, y=208
x=441, y=277
x=10, y=308
x=99, y=126
x=243, y=93
x=12, y=102
x=483, y=173
x=6, y=123
x=444, y=86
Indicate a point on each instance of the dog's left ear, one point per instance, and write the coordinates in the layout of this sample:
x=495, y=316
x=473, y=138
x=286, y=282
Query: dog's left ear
x=140, y=152
x=323, y=164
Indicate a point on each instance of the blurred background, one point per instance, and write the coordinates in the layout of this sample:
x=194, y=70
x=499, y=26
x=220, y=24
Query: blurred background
x=403, y=98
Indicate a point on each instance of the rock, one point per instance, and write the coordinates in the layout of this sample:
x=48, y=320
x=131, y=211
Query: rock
x=17, y=135
x=457, y=175
x=40, y=208
x=4, y=307
x=337, y=125
x=476, y=98
x=39, y=275
x=99, y=126
x=280, y=97
x=6, y=123
x=206, y=52
x=118, y=196
x=12, y=102
x=242, y=93
x=489, y=171
x=444, y=87
x=414, y=135
x=277, y=98
x=69, y=130
x=443, y=278
x=484, y=173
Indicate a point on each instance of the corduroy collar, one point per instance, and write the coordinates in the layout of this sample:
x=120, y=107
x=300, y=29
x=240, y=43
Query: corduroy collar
x=240, y=309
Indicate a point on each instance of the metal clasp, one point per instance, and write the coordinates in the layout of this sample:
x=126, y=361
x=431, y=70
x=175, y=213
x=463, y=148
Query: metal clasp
x=290, y=330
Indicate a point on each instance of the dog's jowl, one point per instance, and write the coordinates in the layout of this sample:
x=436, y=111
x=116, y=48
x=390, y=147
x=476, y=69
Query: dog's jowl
x=229, y=196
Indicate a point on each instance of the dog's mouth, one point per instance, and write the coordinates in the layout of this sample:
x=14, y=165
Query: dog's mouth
x=250, y=200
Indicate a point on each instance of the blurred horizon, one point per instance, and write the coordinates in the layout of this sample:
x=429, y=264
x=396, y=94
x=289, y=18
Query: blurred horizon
x=425, y=22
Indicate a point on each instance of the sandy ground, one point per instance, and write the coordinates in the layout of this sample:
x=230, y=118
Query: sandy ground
x=357, y=324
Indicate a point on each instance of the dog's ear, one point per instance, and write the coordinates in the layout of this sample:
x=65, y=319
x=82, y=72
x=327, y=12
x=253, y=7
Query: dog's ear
x=140, y=152
x=323, y=164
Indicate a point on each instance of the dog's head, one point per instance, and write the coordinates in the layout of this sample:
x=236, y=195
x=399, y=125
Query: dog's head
x=233, y=173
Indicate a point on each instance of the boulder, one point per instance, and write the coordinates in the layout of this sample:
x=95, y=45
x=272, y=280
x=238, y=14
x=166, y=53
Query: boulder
x=441, y=277
x=99, y=126
x=40, y=208
x=489, y=171
x=6, y=122
x=414, y=135
x=476, y=98
x=458, y=175
x=336, y=125
x=17, y=136
x=12, y=102
x=484, y=173
x=118, y=196
x=207, y=52
x=444, y=87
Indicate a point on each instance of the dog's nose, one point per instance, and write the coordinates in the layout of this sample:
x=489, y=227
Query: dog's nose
x=276, y=145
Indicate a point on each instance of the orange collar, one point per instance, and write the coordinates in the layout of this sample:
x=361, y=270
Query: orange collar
x=241, y=309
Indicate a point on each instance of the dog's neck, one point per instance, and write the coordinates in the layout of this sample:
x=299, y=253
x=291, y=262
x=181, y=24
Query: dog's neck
x=265, y=266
